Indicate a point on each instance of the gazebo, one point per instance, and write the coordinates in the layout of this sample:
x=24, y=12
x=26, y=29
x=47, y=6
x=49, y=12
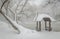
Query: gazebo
x=46, y=19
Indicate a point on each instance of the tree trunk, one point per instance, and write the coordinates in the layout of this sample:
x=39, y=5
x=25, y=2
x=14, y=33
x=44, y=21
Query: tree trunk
x=13, y=25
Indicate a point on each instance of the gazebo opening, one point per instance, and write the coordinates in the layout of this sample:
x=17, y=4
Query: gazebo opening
x=47, y=23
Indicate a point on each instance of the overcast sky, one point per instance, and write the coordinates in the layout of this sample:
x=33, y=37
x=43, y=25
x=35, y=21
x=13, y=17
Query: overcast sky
x=37, y=2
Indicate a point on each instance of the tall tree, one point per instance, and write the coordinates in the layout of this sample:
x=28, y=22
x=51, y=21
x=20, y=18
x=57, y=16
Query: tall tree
x=13, y=25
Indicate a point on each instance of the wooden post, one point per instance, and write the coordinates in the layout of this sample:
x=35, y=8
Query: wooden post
x=50, y=26
x=38, y=27
x=45, y=25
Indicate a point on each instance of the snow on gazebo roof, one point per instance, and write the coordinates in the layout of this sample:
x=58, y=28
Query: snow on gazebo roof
x=41, y=16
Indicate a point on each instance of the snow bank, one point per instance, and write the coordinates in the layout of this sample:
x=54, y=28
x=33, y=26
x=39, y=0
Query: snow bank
x=25, y=33
x=20, y=27
x=43, y=35
x=5, y=33
x=4, y=26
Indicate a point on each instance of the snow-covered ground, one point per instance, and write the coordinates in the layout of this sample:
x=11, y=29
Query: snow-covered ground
x=6, y=32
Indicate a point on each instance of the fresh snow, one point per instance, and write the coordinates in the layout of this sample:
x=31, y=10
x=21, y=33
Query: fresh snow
x=7, y=33
x=43, y=35
x=41, y=16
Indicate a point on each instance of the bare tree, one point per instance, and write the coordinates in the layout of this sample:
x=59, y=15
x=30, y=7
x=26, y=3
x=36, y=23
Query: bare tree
x=14, y=26
x=21, y=9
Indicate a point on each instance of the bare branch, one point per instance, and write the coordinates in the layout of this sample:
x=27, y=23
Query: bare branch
x=11, y=11
x=18, y=5
x=8, y=19
x=16, y=10
x=23, y=6
x=4, y=3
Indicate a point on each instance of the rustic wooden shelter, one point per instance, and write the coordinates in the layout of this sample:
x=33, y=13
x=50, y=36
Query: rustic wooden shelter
x=47, y=19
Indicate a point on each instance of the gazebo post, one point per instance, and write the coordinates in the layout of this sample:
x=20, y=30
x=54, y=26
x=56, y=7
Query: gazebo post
x=50, y=26
x=45, y=25
x=38, y=27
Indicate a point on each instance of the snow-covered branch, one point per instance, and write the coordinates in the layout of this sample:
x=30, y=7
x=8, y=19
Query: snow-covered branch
x=23, y=6
x=4, y=3
x=7, y=18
